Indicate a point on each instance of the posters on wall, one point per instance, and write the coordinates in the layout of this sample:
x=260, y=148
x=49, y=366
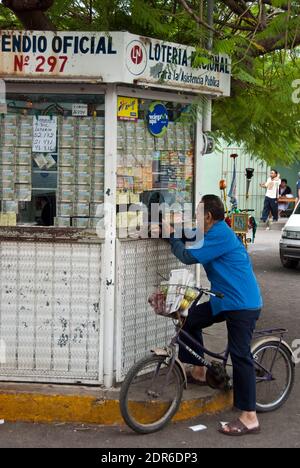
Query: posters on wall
x=128, y=108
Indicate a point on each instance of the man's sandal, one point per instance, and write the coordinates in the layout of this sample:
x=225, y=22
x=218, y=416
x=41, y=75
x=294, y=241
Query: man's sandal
x=238, y=429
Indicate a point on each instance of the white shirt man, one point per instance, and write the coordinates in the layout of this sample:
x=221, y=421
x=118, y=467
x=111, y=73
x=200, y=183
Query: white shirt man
x=271, y=201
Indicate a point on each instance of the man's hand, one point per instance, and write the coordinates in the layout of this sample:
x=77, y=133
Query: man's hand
x=167, y=230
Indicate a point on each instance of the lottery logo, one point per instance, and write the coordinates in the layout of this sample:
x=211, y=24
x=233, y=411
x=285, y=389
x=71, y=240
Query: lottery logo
x=136, y=58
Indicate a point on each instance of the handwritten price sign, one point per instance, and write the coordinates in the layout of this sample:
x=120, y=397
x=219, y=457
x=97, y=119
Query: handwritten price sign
x=44, y=134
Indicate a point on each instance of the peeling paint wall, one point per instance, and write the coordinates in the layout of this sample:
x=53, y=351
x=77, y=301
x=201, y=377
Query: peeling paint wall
x=49, y=311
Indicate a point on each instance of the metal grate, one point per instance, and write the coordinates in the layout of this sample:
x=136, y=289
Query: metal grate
x=49, y=311
x=140, y=264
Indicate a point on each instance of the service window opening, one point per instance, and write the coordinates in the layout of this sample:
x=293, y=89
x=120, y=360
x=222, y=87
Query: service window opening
x=51, y=160
x=155, y=163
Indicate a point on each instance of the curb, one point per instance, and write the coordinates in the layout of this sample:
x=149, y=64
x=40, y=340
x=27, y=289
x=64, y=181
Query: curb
x=20, y=406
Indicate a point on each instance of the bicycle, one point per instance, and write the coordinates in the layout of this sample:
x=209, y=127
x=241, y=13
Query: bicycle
x=152, y=391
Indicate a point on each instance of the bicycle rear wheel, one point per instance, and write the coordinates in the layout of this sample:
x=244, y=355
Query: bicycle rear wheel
x=275, y=373
x=151, y=394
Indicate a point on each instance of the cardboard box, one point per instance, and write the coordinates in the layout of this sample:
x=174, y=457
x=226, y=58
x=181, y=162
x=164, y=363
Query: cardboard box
x=82, y=194
x=23, y=174
x=23, y=192
x=96, y=210
x=7, y=156
x=10, y=206
x=85, y=143
x=97, y=193
x=122, y=198
x=83, y=223
x=99, y=128
x=23, y=156
x=122, y=220
x=66, y=176
x=65, y=193
x=3, y=219
x=7, y=193
x=84, y=155
x=82, y=178
x=85, y=127
x=62, y=221
x=68, y=127
x=81, y=209
x=7, y=174
x=97, y=178
x=25, y=128
x=11, y=219
x=67, y=157
x=98, y=158
x=65, y=209
x=98, y=143
x=94, y=223
x=134, y=198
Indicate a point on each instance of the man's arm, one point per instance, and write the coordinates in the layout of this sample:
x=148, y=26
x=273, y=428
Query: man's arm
x=181, y=252
x=265, y=184
x=213, y=247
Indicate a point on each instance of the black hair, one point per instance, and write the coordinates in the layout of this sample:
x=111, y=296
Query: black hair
x=275, y=170
x=214, y=205
x=284, y=180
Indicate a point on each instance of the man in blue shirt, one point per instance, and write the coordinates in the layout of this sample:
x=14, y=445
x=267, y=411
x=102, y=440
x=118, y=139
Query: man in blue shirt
x=228, y=268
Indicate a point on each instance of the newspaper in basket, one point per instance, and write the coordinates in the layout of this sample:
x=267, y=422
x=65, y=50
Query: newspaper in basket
x=176, y=295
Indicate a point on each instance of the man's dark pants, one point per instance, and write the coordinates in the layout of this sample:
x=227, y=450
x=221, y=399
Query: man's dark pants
x=270, y=206
x=240, y=325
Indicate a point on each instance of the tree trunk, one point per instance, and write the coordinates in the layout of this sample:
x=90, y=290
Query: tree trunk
x=31, y=13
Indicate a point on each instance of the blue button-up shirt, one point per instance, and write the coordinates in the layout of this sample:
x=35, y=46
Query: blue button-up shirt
x=228, y=268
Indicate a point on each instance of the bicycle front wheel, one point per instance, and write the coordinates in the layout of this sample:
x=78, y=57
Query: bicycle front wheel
x=275, y=373
x=151, y=394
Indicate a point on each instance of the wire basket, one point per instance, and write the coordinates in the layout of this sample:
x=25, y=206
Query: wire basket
x=169, y=300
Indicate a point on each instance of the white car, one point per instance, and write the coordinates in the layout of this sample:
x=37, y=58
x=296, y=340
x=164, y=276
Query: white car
x=290, y=241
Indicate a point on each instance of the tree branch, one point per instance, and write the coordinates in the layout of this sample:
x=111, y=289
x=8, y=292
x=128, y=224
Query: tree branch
x=196, y=17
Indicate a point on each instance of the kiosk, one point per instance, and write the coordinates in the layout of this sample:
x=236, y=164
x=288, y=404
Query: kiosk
x=90, y=121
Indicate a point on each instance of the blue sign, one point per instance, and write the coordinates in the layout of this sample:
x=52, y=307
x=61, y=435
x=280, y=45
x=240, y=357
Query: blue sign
x=158, y=119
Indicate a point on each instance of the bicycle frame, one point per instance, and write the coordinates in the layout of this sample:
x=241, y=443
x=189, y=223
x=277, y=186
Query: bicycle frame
x=224, y=357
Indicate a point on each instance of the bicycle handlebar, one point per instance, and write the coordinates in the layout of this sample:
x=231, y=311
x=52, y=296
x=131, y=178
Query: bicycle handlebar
x=211, y=293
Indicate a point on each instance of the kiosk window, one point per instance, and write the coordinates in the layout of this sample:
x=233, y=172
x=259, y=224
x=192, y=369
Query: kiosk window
x=51, y=160
x=159, y=168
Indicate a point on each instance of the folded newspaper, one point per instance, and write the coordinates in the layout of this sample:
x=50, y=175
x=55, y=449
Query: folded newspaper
x=179, y=281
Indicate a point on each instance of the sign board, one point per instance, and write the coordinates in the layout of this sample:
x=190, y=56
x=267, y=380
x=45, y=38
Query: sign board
x=158, y=119
x=79, y=110
x=117, y=57
x=44, y=134
x=128, y=108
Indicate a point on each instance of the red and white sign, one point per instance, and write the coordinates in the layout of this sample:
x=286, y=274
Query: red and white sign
x=136, y=58
x=116, y=57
